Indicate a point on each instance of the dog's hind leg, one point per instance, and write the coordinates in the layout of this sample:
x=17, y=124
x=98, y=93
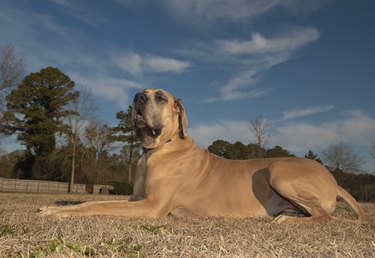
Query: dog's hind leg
x=317, y=215
x=305, y=188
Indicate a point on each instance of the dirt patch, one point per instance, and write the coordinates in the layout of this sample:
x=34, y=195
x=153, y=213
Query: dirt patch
x=23, y=233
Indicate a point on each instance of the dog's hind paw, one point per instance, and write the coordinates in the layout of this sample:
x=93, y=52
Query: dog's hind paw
x=56, y=211
x=281, y=218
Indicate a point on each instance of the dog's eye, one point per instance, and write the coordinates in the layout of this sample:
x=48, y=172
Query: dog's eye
x=160, y=97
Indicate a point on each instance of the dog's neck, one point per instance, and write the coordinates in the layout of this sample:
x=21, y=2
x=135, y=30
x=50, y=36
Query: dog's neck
x=149, y=151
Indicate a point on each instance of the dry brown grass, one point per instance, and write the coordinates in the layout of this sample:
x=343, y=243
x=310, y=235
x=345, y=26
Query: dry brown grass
x=23, y=233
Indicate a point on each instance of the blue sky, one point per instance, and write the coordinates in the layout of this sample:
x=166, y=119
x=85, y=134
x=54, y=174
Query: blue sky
x=306, y=66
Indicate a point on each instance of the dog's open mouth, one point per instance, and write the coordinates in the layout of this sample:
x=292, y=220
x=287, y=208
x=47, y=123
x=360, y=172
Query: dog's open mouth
x=139, y=119
x=144, y=127
x=149, y=131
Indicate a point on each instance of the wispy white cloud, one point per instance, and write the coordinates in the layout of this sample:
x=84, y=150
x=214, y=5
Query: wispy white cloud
x=164, y=64
x=110, y=88
x=136, y=64
x=203, y=12
x=129, y=62
x=200, y=12
x=290, y=41
x=80, y=12
x=65, y=3
x=233, y=90
x=252, y=57
x=196, y=11
x=238, y=95
x=61, y=46
x=296, y=113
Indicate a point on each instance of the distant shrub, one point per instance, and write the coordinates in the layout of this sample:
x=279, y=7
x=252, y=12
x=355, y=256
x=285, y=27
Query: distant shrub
x=122, y=189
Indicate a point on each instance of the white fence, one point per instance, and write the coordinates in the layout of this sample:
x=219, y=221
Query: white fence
x=38, y=186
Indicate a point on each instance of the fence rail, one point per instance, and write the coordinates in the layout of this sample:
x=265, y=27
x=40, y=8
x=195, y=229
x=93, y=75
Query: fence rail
x=39, y=186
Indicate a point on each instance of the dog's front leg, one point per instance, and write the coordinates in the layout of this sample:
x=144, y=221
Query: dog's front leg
x=144, y=208
x=139, y=188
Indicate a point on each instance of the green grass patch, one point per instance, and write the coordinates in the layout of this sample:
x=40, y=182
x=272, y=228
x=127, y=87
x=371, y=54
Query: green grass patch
x=155, y=229
x=5, y=230
x=62, y=246
x=124, y=247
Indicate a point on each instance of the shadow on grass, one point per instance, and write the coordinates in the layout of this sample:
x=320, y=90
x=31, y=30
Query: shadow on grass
x=67, y=202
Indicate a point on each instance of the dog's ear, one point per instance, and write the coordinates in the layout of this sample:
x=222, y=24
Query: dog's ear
x=182, y=118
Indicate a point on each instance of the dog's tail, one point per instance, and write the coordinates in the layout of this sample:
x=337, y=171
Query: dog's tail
x=352, y=203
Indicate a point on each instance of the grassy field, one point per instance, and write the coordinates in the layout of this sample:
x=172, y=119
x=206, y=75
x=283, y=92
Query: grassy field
x=23, y=233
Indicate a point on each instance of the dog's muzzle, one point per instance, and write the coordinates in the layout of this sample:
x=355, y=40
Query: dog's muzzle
x=139, y=106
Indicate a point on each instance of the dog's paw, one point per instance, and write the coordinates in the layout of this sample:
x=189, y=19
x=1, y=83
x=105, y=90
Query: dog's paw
x=281, y=218
x=44, y=211
x=56, y=211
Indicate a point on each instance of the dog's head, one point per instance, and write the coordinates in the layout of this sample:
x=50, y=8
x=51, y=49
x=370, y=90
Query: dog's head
x=158, y=117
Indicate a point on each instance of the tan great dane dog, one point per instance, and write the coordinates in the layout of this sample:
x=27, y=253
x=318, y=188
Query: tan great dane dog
x=183, y=180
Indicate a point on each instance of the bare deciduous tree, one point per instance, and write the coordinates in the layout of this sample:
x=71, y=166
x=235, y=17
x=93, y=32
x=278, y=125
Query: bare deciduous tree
x=96, y=160
x=341, y=157
x=84, y=110
x=11, y=70
x=258, y=128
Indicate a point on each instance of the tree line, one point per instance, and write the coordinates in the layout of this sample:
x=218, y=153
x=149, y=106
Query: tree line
x=63, y=139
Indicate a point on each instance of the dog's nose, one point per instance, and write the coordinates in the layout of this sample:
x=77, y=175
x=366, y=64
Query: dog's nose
x=140, y=98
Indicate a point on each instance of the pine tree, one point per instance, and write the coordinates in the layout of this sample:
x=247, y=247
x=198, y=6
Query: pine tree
x=36, y=110
x=311, y=155
x=125, y=132
x=278, y=151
